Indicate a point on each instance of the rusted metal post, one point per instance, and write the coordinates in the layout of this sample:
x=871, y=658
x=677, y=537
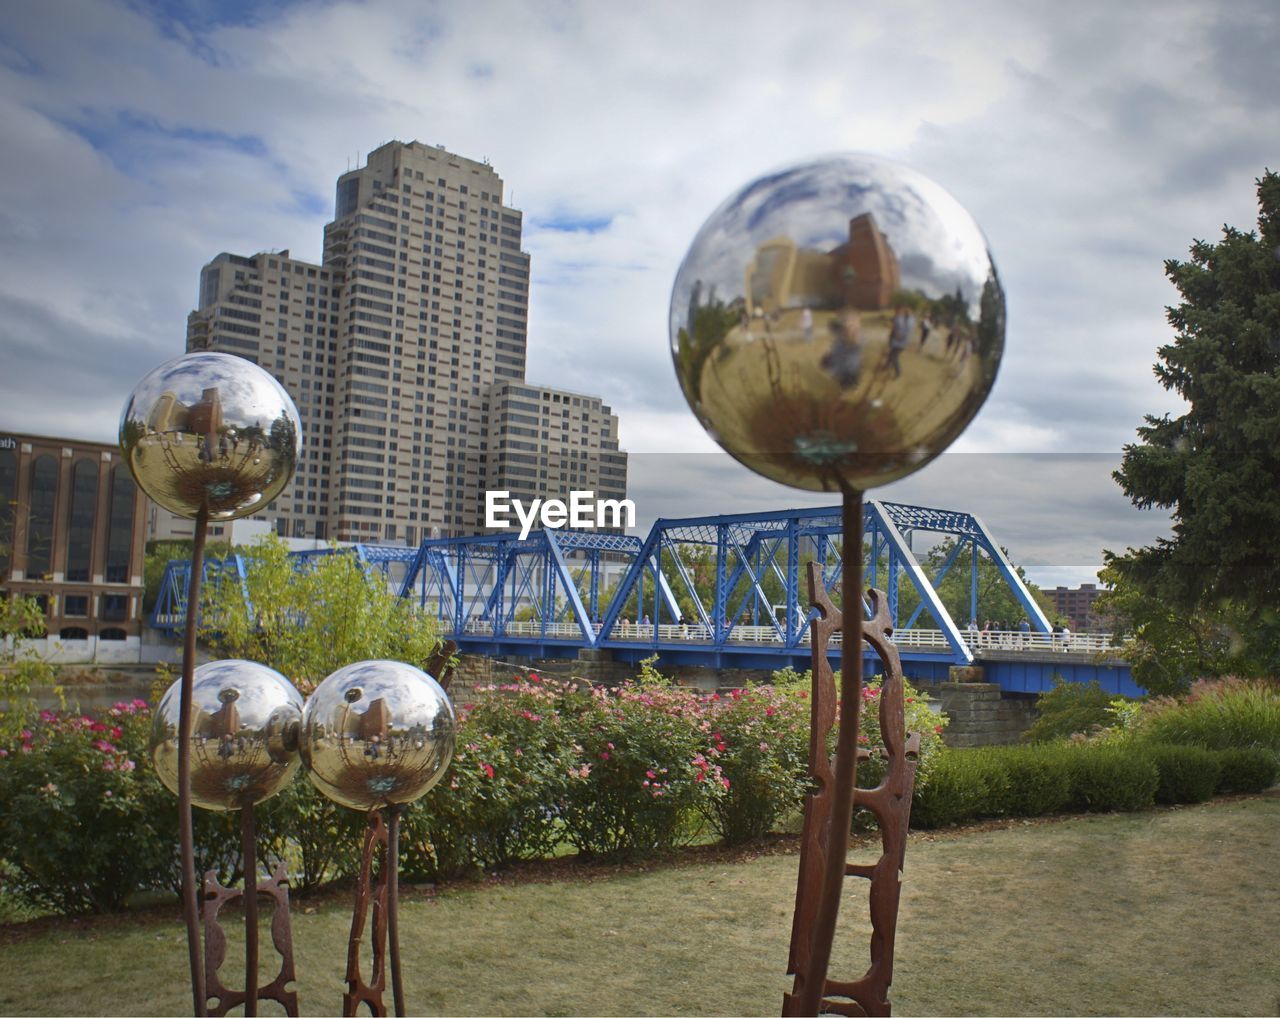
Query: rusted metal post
x=248, y=851
x=393, y=907
x=186, y=834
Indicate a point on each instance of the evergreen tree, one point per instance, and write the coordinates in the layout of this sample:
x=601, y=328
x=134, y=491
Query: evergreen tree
x=1217, y=465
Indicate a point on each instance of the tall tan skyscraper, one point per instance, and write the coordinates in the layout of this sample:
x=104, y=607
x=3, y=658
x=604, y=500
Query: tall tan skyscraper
x=403, y=350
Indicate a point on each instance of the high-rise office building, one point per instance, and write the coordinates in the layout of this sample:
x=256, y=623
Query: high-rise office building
x=405, y=352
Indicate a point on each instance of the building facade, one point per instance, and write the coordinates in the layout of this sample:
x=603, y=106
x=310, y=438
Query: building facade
x=1076, y=603
x=72, y=537
x=404, y=350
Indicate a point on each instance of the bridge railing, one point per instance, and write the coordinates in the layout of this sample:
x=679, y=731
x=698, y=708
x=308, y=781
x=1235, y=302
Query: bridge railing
x=915, y=639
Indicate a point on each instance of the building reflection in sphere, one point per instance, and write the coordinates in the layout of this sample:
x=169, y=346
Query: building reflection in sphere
x=838, y=323
x=213, y=431
x=244, y=734
x=377, y=733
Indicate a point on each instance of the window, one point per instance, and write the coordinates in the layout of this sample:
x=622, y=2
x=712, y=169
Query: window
x=44, y=494
x=8, y=493
x=75, y=606
x=115, y=607
x=84, y=498
x=73, y=633
x=113, y=634
x=120, y=525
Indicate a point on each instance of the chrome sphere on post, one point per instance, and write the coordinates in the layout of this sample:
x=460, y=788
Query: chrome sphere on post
x=244, y=734
x=211, y=431
x=377, y=733
x=837, y=323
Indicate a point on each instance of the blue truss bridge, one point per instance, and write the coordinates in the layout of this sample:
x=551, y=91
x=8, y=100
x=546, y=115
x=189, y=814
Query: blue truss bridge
x=718, y=591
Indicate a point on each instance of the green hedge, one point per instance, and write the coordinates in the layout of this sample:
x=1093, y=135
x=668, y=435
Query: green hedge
x=1249, y=770
x=1187, y=773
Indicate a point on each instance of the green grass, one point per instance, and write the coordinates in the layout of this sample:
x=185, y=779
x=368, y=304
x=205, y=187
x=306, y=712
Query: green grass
x=1160, y=912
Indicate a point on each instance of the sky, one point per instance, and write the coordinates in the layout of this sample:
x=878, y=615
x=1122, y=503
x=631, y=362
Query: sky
x=1090, y=141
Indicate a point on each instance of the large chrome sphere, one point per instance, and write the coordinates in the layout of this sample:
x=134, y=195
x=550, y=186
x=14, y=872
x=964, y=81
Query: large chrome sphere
x=245, y=719
x=377, y=733
x=836, y=324
x=211, y=430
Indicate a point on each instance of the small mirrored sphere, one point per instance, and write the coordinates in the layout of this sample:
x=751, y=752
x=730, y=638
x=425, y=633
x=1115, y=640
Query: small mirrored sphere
x=213, y=431
x=836, y=324
x=245, y=719
x=377, y=733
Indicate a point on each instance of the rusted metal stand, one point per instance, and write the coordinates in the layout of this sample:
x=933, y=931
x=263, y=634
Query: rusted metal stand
x=215, y=939
x=359, y=990
x=825, y=837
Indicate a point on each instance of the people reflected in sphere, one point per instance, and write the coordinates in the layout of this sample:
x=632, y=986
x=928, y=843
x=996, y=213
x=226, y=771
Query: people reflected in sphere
x=816, y=362
x=844, y=359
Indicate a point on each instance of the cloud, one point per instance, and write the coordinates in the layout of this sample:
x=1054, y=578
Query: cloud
x=1090, y=144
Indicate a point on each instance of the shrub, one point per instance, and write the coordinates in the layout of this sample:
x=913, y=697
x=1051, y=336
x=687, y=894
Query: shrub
x=1187, y=773
x=82, y=829
x=1247, y=770
x=499, y=801
x=919, y=719
x=317, y=839
x=1038, y=781
x=1110, y=777
x=759, y=738
x=645, y=775
x=1070, y=708
x=1228, y=713
x=963, y=785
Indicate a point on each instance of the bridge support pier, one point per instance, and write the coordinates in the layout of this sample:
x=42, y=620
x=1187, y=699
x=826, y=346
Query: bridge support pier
x=981, y=713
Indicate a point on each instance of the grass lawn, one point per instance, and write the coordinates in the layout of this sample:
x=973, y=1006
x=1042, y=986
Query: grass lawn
x=1161, y=912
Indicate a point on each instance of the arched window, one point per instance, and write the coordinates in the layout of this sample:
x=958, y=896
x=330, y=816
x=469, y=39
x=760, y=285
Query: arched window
x=8, y=495
x=44, y=495
x=113, y=634
x=120, y=526
x=84, y=499
x=74, y=633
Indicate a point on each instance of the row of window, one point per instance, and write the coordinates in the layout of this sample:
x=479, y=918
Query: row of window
x=81, y=516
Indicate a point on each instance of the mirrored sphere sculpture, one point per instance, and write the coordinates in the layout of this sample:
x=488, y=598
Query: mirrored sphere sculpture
x=377, y=733
x=836, y=324
x=211, y=430
x=245, y=719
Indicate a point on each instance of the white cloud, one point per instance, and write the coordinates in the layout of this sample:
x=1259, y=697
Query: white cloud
x=1090, y=144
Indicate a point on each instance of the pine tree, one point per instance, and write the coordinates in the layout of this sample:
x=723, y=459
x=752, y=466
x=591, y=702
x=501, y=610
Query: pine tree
x=1217, y=465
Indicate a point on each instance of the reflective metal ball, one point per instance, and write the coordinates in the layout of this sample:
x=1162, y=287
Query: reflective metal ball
x=836, y=324
x=211, y=430
x=245, y=719
x=377, y=733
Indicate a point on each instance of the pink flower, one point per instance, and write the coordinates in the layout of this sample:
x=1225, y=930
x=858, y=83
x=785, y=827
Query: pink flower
x=604, y=756
x=103, y=746
x=488, y=769
x=770, y=711
x=725, y=782
x=650, y=775
x=764, y=747
x=128, y=765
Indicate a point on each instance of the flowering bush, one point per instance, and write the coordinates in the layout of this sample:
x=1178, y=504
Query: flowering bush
x=919, y=719
x=759, y=737
x=499, y=801
x=645, y=773
x=79, y=829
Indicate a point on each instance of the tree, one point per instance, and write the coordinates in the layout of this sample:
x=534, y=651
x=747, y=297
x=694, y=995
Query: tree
x=995, y=600
x=307, y=619
x=1217, y=465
